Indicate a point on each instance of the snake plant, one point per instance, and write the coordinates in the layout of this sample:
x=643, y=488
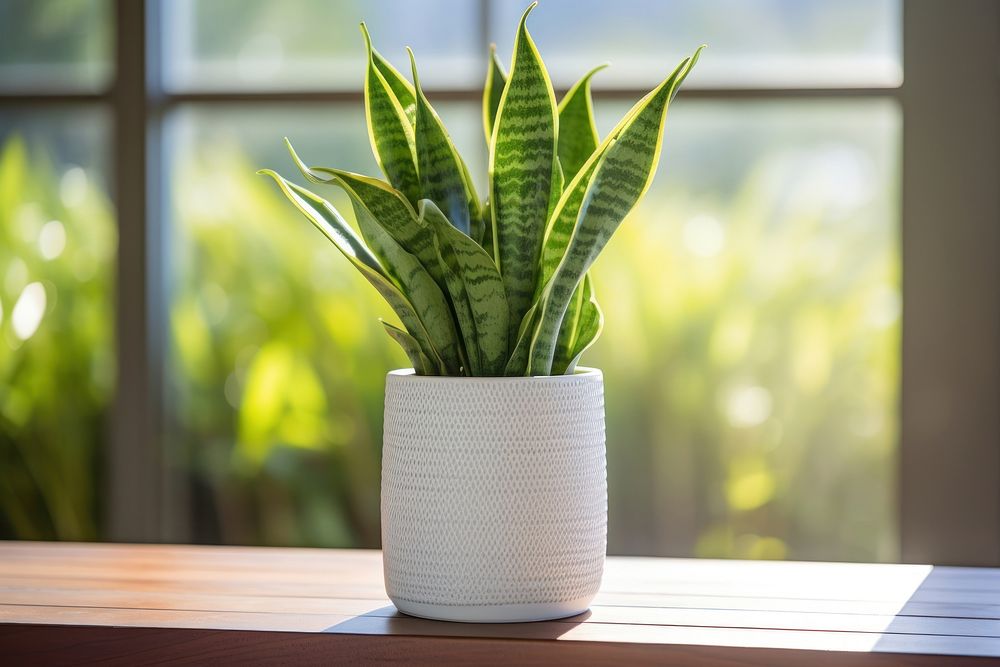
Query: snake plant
x=499, y=287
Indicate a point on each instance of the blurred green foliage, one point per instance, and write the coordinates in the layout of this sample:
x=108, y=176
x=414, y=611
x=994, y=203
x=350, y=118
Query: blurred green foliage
x=750, y=355
x=278, y=362
x=57, y=243
x=751, y=360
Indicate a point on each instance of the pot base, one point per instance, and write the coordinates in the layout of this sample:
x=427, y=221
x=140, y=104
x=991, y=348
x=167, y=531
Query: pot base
x=494, y=613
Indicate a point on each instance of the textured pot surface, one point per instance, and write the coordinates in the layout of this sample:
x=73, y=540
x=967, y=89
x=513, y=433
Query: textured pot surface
x=494, y=495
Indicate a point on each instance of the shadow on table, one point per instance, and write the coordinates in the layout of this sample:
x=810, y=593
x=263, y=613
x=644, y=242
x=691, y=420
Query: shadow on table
x=948, y=611
x=388, y=620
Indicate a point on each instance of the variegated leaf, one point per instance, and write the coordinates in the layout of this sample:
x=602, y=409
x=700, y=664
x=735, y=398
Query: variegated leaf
x=388, y=206
x=475, y=280
x=390, y=130
x=415, y=282
x=496, y=79
x=421, y=364
x=590, y=327
x=580, y=328
x=487, y=241
x=577, y=132
x=558, y=183
x=621, y=176
x=564, y=218
x=400, y=87
x=517, y=363
x=444, y=178
x=521, y=168
x=463, y=311
x=326, y=218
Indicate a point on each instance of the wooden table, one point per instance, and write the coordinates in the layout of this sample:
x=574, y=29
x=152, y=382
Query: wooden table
x=141, y=604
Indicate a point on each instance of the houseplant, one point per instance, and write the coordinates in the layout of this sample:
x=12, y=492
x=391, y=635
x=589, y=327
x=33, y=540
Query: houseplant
x=493, y=491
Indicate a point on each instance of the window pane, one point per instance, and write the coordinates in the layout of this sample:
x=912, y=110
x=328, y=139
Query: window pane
x=759, y=43
x=63, y=45
x=57, y=253
x=277, y=356
x=751, y=346
x=316, y=44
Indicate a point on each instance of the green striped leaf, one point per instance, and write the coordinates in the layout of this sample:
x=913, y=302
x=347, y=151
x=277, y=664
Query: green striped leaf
x=580, y=328
x=473, y=279
x=620, y=177
x=496, y=79
x=558, y=183
x=477, y=231
x=577, y=132
x=568, y=327
x=415, y=282
x=400, y=87
x=517, y=364
x=444, y=178
x=590, y=327
x=389, y=130
x=463, y=311
x=564, y=218
x=487, y=241
x=421, y=364
x=387, y=204
x=521, y=169
x=326, y=218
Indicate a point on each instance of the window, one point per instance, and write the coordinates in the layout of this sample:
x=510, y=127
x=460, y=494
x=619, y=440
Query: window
x=754, y=351
x=50, y=46
x=57, y=270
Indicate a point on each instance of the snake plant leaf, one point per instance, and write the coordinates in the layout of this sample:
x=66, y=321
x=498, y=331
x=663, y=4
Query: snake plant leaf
x=386, y=204
x=444, y=179
x=414, y=281
x=578, y=137
x=521, y=170
x=326, y=218
x=570, y=322
x=477, y=230
x=400, y=87
x=558, y=183
x=463, y=312
x=486, y=242
x=475, y=280
x=564, y=218
x=389, y=130
x=580, y=328
x=622, y=174
x=589, y=329
x=496, y=79
x=517, y=363
x=421, y=364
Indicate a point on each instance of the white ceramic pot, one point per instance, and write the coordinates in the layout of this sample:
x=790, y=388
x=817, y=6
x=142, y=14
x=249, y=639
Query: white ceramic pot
x=494, y=495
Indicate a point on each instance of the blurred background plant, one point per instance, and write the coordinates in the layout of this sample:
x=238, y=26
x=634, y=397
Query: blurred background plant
x=57, y=236
x=750, y=351
x=752, y=339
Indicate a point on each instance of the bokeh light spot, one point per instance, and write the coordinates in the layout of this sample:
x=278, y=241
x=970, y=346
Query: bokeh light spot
x=704, y=236
x=28, y=311
x=52, y=239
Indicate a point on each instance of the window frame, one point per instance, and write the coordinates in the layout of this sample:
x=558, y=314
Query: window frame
x=949, y=446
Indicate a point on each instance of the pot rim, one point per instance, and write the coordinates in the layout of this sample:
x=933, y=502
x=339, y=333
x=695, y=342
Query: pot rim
x=409, y=375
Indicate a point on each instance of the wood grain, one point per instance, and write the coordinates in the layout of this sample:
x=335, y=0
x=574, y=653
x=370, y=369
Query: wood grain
x=63, y=603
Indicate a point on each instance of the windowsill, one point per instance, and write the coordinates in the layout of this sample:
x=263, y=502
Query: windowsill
x=81, y=602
